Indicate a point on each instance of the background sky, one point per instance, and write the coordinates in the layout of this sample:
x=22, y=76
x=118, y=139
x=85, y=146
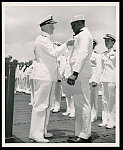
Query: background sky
x=20, y=24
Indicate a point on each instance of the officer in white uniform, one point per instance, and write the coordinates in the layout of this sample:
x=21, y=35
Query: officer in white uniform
x=94, y=81
x=108, y=79
x=58, y=89
x=45, y=76
x=82, y=71
x=70, y=109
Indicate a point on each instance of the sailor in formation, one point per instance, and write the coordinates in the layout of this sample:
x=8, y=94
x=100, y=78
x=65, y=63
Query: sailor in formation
x=94, y=81
x=108, y=79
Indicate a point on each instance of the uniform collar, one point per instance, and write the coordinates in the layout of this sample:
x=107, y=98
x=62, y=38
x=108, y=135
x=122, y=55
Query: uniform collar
x=82, y=29
x=45, y=34
x=111, y=50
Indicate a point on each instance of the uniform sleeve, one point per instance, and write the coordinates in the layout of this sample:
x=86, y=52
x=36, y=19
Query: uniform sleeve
x=83, y=52
x=46, y=45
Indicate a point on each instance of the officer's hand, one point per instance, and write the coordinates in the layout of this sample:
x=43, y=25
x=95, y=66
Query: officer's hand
x=94, y=84
x=71, y=80
x=70, y=42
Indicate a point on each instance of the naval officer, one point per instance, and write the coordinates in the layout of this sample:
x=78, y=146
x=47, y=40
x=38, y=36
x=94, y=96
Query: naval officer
x=108, y=79
x=82, y=71
x=44, y=78
x=94, y=81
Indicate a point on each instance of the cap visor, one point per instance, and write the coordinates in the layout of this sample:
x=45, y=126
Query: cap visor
x=106, y=38
x=53, y=22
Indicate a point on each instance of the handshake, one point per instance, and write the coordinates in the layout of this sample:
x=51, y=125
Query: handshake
x=70, y=42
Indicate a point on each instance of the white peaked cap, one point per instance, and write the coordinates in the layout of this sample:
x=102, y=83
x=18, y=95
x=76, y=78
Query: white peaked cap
x=47, y=20
x=109, y=36
x=77, y=18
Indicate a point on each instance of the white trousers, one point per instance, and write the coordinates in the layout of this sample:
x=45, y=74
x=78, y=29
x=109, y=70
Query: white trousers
x=70, y=103
x=108, y=102
x=94, y=100
x=57, y=96
x=43, y=98
x=83, y=110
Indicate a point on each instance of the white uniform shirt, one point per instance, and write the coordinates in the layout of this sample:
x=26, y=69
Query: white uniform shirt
x=109, y=66
x=46, y=68
x=82, y=50
x=96, y=67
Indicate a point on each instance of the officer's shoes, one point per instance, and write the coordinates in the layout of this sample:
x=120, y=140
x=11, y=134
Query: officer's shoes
x=65, y=113
x=39, y=139
x=79, y=140
x=72, y=115
x=48, y=135
x=55, y=110
x=110, y=126
x=102, y=124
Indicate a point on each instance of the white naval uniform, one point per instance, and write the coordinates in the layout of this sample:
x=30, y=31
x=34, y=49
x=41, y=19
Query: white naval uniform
x=96, y=74
x=108, y=79
x=44, y=78
x=70, y=110
x=58, y=88
x=80, y=62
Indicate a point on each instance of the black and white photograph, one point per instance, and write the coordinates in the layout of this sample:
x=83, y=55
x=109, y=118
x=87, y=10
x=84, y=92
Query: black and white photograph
x=60, y=74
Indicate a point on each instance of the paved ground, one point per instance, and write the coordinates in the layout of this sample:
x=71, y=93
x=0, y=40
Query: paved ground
x=60, y=126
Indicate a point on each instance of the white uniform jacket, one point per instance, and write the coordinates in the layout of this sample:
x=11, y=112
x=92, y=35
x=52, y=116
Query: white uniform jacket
x=46, y=68
x=96, y=67
x=109, y=66
x=82, y=50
